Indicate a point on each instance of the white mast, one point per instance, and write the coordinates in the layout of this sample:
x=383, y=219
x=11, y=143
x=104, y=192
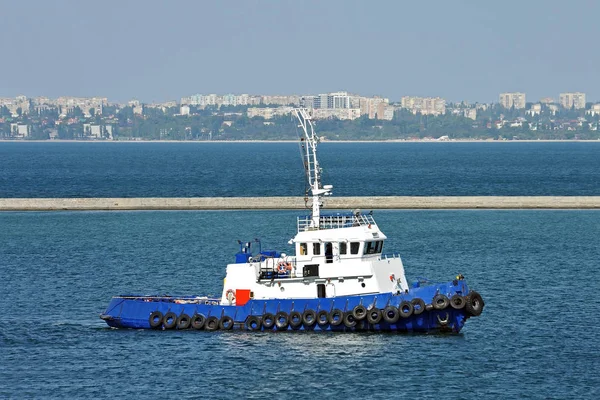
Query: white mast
x=311, y=165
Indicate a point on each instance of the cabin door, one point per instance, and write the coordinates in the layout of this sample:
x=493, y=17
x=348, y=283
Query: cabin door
x=328, y=252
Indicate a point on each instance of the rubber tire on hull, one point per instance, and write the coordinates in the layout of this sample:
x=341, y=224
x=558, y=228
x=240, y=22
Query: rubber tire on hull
x=309, y=318
x=406, y=309
x=440, y=301
x=391, y=315
x=212, y=323
x=349, y=320
x=253, y=323
x=374, y=316
x=198, y=321
x=323, y=318
x=184, y=321
x=443, y=322
x=359, y=312
x=336, y=317
x=156, y=319
x=458, y=302
x=268, y=321
x=282, y=320
x=418, y=306
x=226, y=323
x=295, y=319
x=474, y=304
x=170, y=320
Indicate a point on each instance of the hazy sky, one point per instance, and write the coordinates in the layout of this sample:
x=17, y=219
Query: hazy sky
x=163, y=50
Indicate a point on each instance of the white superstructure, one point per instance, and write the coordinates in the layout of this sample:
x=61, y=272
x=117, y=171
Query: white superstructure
x=337, y=254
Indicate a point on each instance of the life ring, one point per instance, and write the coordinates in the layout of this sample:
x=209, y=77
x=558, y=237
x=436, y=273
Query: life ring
x=198, y=321
x=212, y=323
x=283, y=267
x=323, y=318
x=474, y=303
x=226, y=323
x=268, y=320
x=230, y=295
x=309, y=318
x=336, y=317
x=440, y=301
x=170, y=320
x=253, y=323
x=443, y=322
x=155, y=319
x=282, y=320
x=457, y=302
x=184, y=321
x=349, y=320
x=295, y=319
x=374, y=316
x=418, y=306
x=391, y=315
x=406, y=309
x=359, y=312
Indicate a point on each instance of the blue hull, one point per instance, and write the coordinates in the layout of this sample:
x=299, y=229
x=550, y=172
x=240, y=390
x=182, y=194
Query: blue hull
x=152, y=312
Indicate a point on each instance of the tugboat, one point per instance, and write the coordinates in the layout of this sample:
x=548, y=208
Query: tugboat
x=339, y=280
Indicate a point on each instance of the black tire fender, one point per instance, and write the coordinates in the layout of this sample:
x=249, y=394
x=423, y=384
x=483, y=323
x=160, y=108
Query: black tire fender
x=170, y=320
x=458, y=302
x=349, y=320
x=268, y=320
x=226, y=323
x=336, y=317
x=391, y=315
x=295, y=319
x=474, y=303
x=253, y=323
x=374, y=316
x=183, y=321
x=443, y=321
x=359, y=312
x=282, y=320
x=198, y=321
x=323, y=318
x=440, y=301
x=406, y=309
x=309, y=318
x=212, y=323
x=156, y=319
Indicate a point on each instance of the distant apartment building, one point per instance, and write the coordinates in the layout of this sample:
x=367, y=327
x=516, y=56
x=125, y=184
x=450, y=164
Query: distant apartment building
x=339, y=113
x=268, y=112
x=385, y=111
x=546, y=100
x=20, y=130
x=536, y=109
x=424, y=105
x=572, y=100
x=331, y=101
x=513, y=99
x=594, y=110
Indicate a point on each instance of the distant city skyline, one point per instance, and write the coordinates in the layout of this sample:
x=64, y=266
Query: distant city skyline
x=157, y=52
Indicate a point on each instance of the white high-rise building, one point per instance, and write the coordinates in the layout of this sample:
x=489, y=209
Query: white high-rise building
x=574, y=99
x=513, y=99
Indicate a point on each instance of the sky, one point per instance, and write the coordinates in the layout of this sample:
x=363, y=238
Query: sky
x=159, y=51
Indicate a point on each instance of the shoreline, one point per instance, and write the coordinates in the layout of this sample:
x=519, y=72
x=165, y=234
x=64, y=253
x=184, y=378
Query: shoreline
x=296, y=141
x=298, y=203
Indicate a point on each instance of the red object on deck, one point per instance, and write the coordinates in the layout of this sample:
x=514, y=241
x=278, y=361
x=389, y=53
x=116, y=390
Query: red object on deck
x=242, y=296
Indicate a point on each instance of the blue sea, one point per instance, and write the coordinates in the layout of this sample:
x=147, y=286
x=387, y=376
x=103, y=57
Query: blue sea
x=536, y=269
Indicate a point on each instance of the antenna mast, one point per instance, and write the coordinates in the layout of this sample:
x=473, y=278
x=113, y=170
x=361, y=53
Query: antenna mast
x=311, y=164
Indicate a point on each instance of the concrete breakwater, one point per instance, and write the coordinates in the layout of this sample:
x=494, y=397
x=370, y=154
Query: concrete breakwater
x=294, y=203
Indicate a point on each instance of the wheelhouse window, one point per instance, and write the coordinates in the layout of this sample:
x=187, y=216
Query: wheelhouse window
x=373, y=247
x=316, y=249
x=354, y=247
x=343, y=248
x=303, y=249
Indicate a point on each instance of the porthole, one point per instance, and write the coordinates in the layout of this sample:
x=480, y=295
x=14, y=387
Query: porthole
x=363, y=284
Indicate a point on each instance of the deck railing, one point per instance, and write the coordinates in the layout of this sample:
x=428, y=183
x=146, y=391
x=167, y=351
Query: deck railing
x=335, y=221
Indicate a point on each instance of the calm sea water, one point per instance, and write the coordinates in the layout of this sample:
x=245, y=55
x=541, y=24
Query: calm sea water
x=275, y=169
x=537, y=271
